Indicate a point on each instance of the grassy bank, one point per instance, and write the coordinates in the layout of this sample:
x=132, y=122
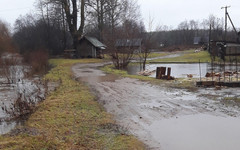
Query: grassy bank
x=70, y=118
x=136, y=56
x=188, y=57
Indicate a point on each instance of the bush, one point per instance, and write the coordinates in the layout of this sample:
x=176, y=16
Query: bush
x=38, y=60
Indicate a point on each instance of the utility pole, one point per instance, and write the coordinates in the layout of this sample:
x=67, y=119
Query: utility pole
x=225, y=36
x=226, y=16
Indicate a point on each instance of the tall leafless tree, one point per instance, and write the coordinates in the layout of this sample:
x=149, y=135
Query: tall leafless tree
x=72, y=10
x=147, y=43
x=121, y=43
x=97, y=11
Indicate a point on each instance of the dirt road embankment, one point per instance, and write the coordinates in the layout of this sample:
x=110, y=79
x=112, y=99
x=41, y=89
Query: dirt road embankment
x=166, y=118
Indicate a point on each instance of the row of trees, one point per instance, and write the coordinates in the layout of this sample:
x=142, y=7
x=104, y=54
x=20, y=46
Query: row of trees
x=187, y=30
x=32, y=34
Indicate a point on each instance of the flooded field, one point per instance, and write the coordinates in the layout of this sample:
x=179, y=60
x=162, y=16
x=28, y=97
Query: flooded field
x=168, y=118
x=15, y=86
x=180, y=70
x=31, y=90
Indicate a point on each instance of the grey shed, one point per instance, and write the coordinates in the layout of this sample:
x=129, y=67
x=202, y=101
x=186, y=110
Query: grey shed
x=90, y=47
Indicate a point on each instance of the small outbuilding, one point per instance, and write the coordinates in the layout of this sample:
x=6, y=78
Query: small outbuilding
x=90, y=47
x=124, y=45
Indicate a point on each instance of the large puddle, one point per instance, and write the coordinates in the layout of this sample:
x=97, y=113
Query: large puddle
x=92, y=75
x=197, y=132
x=180, y=70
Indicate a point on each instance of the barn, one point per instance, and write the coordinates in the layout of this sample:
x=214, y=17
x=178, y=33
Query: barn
x=90, y=47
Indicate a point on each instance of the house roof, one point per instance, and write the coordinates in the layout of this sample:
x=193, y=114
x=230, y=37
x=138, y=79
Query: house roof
x=197, y=40
x=128, y=42
x=95, y=42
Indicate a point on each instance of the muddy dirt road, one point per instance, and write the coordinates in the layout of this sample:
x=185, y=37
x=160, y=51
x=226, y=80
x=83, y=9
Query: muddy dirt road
x=167, y=118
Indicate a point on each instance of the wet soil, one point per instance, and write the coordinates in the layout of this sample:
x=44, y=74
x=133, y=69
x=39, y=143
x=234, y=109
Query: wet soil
x=167, y=118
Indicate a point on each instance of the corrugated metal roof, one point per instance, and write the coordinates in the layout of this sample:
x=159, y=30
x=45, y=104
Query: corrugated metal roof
x=129, y=42
x=95, y=42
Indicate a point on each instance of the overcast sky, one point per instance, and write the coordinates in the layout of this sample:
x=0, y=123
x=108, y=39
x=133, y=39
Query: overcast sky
x=164, y=12
x=172, y=12
x=10, y=10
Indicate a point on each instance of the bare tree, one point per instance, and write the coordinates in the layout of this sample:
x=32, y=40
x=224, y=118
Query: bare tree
x=147, y=44
x=7, y=62
x=97, y=11
x=9, y=66
x=217, y=26
x=122, y=43
x=71, y=10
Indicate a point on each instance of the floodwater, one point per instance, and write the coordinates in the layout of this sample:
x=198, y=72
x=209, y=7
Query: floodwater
x=177, y=70
x=180, y=70
x=197, y=132
x=31, y=91
x=167, y=118
x=90, y=73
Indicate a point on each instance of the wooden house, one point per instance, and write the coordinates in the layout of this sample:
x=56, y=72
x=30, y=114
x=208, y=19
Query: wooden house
x=126, y=45
x=90, y=47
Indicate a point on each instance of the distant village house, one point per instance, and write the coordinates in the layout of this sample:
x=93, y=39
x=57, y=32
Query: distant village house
x=200, y=40
x=129, y=45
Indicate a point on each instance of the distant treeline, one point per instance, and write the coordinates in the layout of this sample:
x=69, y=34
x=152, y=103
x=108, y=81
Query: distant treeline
x=186, y=31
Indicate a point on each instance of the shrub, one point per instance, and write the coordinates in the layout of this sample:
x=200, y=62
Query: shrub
x=38, y=60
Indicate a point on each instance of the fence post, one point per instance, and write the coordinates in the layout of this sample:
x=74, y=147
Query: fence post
x=169, y=74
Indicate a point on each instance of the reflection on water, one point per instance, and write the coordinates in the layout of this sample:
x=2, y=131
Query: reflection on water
x=181, y=70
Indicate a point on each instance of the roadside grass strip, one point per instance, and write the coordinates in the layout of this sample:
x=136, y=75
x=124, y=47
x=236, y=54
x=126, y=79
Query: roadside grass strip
x=70, y=118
